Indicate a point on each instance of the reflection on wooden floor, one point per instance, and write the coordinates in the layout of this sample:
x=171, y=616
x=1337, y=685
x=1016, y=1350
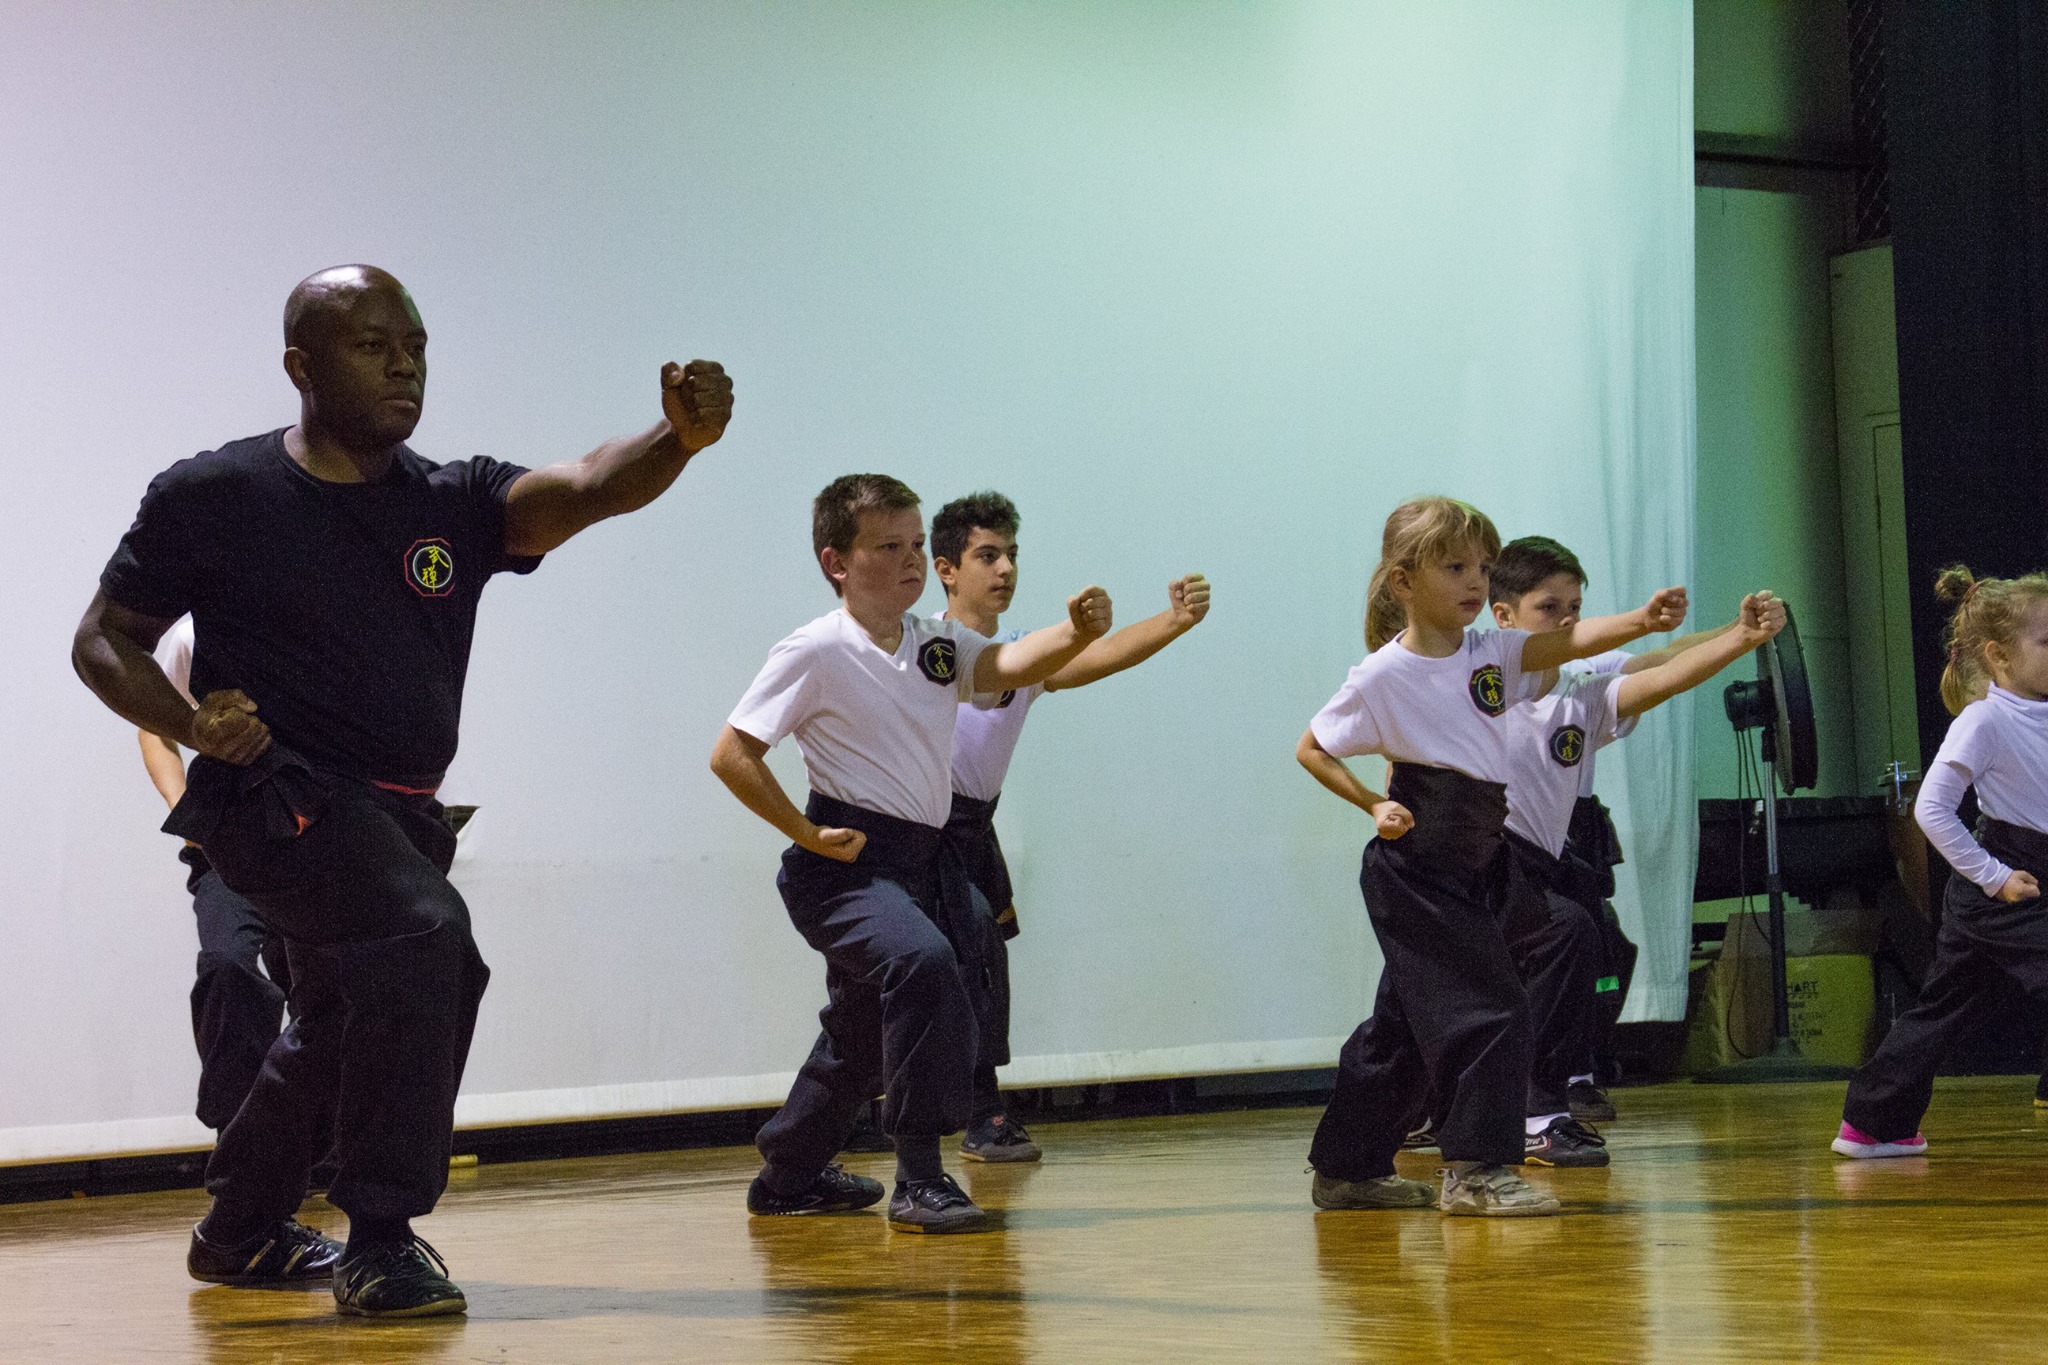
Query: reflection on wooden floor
x=1724, y=1231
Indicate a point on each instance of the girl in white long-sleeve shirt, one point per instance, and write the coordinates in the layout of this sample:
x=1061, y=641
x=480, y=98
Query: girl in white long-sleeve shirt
x=1994, y=923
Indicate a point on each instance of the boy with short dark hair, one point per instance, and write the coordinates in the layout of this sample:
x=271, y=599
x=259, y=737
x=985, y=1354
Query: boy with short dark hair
x=871, y=692
x=974, y=550
x=1537, y=585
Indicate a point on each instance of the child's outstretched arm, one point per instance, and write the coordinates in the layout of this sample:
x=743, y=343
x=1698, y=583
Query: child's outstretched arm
x=1042, y=653
x=1650, y=658
x=1391, y=817
x=1598, y=634
x=1188, y=600
x=741, y=762
x=1761, y=618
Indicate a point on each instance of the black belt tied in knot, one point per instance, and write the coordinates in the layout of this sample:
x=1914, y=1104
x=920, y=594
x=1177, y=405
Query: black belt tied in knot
x=971, y=837
x=291, y=792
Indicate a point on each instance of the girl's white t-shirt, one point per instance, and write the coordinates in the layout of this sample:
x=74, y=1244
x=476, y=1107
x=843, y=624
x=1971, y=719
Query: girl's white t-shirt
x=1448, y=713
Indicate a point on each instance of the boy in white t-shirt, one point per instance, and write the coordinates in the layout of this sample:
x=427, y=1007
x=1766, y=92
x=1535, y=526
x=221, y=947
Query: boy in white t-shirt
x=238, y=995
x=974, y=550
x=1538, y=585
x=872, y=694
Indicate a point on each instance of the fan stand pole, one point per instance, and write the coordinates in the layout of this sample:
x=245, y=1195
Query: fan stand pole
x=1783, y=1063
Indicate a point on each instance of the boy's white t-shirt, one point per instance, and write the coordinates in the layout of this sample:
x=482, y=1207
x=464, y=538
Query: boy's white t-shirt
x=1999, y=745
x=1612, y=662
x=1449, y=712
x=875, y=729
x=174, y=657
x=986, y=740
x=1554, y=738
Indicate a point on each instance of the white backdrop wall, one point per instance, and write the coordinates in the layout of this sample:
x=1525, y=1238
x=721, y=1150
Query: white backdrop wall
x=1200, y=286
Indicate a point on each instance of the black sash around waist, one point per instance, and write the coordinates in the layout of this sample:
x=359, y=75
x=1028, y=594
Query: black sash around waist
x=1459, y=820
x=901, y=844
x=2015, y=845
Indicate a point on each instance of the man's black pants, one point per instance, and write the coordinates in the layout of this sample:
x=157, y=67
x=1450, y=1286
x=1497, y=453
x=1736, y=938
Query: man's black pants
x=1981, y=941
x=1451, y=1018
x=385, y=986
x=897, y=1018
x=236, y=1008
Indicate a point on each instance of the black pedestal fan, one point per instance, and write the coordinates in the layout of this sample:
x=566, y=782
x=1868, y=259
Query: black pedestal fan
x=1780, y=704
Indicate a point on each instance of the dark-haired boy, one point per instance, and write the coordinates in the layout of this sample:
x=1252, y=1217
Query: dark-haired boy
x=871, y=692
x=974, y=550
x=1537, y=584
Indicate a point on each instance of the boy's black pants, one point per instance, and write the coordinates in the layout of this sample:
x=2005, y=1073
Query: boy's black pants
x=236, y=1008
x=1557, y=949
x=971, y=839
x=385, y=986
x=1451, y=1018
x=897, y=1018
x=1981, y=940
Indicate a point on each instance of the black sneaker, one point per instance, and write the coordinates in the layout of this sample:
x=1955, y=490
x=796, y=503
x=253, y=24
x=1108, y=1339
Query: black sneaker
x=834, y=1191
x=1566, y=1142
x=1589, y=1103
x=999, y=1139
x=934, y=1206
x=397, y=1280
x=289, y=1254
x=1422, y=1139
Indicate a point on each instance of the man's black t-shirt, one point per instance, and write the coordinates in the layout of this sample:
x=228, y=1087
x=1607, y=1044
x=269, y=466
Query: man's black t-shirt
x=343, y=610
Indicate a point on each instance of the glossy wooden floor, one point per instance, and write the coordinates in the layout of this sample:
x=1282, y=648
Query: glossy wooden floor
x=1724, y=1231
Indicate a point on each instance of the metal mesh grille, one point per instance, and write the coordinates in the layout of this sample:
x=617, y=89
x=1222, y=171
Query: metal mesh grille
x=1867, y=112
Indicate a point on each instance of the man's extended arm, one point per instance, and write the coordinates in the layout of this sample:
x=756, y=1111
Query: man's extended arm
x=1136, y=643
x=547, y=506
x=1042, y=653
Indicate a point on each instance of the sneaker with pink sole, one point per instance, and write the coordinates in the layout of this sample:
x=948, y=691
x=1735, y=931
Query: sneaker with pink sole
x=1861, y=1145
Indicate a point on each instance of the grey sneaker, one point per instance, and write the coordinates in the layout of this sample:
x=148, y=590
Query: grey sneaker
x=1385, y=1192
x=1475, y=1191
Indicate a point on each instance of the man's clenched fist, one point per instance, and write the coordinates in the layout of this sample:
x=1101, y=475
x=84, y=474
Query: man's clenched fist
x=697, y=400
x=225, y=726
x=1189, y=598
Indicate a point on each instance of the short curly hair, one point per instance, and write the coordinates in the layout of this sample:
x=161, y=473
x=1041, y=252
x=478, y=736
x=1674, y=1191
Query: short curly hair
x=959, y=519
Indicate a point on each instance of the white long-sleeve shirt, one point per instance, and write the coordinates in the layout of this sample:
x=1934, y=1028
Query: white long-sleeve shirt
x=1999, y=744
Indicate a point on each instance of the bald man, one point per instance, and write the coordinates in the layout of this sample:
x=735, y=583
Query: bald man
x=333, y=577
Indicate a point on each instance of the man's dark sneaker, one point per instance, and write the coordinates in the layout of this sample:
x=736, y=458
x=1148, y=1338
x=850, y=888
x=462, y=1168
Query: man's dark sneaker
x=834, y=1191
x=289, y=1254
x=1589, y=1103
x=1422, y=1139
x=1566, y=1142
x=999, y=1139
x=934, y=1206
x=396, y=1280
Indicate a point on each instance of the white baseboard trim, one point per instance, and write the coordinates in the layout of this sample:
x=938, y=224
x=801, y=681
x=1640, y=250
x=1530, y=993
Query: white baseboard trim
x=183, y=1133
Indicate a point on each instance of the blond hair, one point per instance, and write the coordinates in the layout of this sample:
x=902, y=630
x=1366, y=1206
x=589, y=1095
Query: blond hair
x=1988, y=611
x=1424, y=531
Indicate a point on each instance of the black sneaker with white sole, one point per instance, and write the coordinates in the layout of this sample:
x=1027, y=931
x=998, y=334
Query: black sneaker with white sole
x=934, y=1206
x=1589, y=1103
x=289, y=1254
x=1566, y=1142
x=834, y=1191
x=396, y=1280
x=998, y=1139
